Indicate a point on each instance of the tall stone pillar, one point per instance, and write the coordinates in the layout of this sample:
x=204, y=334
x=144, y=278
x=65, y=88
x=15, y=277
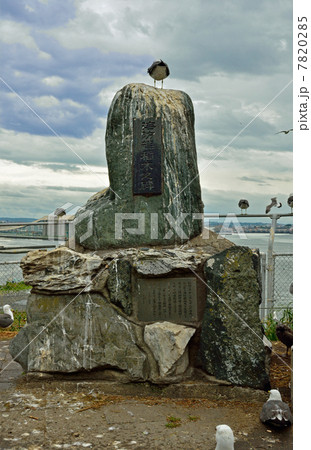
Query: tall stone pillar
x=154, y=196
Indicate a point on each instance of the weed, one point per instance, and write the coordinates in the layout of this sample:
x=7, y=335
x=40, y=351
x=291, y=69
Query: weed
x=270, y=323
x=173, y=422
x=14, y=286
x=287, y=317
x=193, y=418
x=270, y=326
x=20, y=319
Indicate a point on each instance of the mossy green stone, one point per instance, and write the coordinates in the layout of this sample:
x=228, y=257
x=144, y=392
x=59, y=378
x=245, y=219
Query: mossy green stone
x=181, y=187
x=231, y=346
x=119, y=284
x=72, y=333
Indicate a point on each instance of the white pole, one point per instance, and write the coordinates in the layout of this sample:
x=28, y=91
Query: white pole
x=263, y=306
x=270, y=265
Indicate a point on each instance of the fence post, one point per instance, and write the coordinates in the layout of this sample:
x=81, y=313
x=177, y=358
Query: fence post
x=263, y=306
x=270, y=265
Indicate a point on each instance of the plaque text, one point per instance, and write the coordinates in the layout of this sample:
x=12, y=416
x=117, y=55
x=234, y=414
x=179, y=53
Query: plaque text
x=172, y=299
x=147, y=157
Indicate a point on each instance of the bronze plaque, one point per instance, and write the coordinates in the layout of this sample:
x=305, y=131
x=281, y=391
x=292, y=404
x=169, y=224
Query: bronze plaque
x=147, y=157
x=172, y=299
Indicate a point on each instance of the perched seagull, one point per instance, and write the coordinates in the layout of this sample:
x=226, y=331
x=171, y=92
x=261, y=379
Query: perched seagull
x=224, y=438
x=285, y=335
x=290, y=202
x=275, y=411
x=291, y=288
x=284, y=131
x=7, y=318
x=158, y=71
x=243, y=204
x=274, y=202
x=59, y=212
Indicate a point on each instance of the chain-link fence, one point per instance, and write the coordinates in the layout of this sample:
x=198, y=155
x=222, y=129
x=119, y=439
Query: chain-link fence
x=13, y=290
x=283, y=278
x=282, y=284
x=10, y=272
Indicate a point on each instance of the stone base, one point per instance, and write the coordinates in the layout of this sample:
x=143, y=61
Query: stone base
x=87, y=312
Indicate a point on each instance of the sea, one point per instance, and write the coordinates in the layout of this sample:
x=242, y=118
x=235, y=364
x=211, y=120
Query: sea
x=283, y=243
x=13, y=272
x=19, y=243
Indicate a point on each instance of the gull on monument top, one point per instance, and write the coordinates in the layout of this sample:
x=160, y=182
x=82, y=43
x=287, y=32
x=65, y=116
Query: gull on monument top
x=158, y=71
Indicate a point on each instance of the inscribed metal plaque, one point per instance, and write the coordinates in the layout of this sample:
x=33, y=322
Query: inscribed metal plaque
x=147, y=157
x=172, y=299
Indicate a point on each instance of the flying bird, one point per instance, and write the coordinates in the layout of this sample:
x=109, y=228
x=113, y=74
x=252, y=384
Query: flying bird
x=284, y=131
x=7, y=318
x=158, y=71
x=243, y=204
x=224, y=438
x=290, y=202
x=274, y=202
x=285, y=335
x=275, y=411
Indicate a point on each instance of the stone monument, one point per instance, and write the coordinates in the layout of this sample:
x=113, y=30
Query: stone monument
x=143, y=293
x=154, y=179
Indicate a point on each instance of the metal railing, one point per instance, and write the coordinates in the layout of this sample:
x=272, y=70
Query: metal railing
x=54, y=228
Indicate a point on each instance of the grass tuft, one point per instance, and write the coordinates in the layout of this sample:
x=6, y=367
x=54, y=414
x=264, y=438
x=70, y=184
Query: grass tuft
x=173, y=422
x=14, y=286
x=20, y=319
x=193, y=418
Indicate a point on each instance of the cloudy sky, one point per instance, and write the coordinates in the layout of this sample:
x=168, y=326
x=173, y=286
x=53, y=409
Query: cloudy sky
x=62, y=62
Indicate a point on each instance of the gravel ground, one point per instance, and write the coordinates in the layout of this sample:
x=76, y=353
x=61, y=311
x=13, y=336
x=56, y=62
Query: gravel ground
x=46, y=415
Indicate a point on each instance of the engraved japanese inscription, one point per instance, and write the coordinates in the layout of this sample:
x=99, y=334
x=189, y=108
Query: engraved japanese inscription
x=147, y=156
x=167, y=299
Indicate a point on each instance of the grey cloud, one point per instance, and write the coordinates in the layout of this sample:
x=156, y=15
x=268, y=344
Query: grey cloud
x=59, y=155
x=69, y=188
x=57, y=167
x=63, y=167
x=238, y=37
x=76, y=69
x=35, y=201
x=37, y=12
x=263, y=179
x=236, y=56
